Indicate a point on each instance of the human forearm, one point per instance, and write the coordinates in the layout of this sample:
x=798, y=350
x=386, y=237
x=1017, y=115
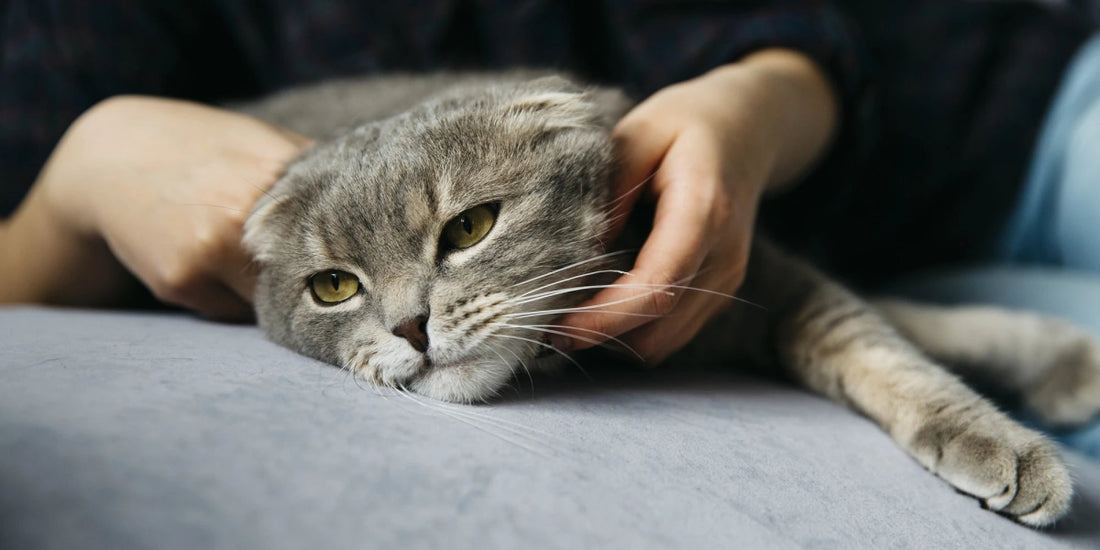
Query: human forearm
x=44, y=260
x=154, y=187
x=795, y=103
x=706, y=149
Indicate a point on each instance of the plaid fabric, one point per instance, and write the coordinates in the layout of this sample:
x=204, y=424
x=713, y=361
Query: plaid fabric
x=960, y=92
x=61, y=57
x=950, y=88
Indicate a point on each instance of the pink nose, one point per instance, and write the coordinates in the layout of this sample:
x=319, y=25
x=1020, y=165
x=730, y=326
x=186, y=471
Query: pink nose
x=415, y=330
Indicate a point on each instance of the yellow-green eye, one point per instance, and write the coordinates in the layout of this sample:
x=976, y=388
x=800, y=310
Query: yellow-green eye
x=333, y=287
x=469, y=227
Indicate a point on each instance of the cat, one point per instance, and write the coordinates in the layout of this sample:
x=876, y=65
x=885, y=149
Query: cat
x=442, y=222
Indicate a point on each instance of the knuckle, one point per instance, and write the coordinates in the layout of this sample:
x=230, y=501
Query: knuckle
x=205, y=242
x=211, y=242
x=175, y=281
x=236, y=216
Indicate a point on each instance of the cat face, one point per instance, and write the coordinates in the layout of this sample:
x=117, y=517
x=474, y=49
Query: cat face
x=424, y=251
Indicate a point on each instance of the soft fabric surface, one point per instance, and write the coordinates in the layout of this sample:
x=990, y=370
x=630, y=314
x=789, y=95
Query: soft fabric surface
x=126, y=430
x=1068, y=294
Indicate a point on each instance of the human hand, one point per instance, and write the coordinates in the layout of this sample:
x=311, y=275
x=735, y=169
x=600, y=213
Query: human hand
x=167, y=185
x=709, y=148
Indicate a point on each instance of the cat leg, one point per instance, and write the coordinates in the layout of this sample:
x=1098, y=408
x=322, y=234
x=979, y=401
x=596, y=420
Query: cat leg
x=1054, y=365
x=838, y=345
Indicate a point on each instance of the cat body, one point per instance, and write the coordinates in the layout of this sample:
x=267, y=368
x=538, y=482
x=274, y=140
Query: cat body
x=443, y=222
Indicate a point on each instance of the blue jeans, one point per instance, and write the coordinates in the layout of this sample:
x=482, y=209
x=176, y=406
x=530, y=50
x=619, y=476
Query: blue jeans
x=1051, y=246
x=1057, y=221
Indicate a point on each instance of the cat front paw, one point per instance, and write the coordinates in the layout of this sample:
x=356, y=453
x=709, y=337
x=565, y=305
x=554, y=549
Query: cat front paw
x=1069, y=394
x=1010, y=469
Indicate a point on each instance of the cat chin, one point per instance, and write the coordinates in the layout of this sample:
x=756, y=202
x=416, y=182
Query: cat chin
x=462, y=383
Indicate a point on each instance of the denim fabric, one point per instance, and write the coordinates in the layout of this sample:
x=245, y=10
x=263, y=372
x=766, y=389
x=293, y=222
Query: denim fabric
x=1056, y=221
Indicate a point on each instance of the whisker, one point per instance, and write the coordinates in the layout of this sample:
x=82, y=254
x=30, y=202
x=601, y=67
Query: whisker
x=552, y=293
x=222, y=206
x=656, y=287
x=585, y=308
x=563, y=311
x=515, y=373
x=550, y=330
x=406, y=393
x=516, y=428
x=547, y=346
x=610, y=222
x=567, y=279
x=575, y=264
x=627, y=193
x=530, y=378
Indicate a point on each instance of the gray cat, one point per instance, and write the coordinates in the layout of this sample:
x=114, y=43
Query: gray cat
x=443, y=222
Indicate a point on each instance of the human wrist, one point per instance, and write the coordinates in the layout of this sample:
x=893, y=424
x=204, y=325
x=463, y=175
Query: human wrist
x=792, y=106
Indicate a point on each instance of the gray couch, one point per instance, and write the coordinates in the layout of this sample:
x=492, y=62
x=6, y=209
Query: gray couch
x=159, y=430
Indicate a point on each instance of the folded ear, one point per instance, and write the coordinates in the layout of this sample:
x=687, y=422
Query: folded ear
x=554, y=110
x=260, y=230
x=560, y=104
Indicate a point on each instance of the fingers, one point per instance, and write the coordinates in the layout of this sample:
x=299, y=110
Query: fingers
x=209, y=272
x=656, y=341
x=682, y=236
x=224, y=290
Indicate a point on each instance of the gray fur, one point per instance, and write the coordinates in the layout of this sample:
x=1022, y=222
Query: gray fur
x=372, y=198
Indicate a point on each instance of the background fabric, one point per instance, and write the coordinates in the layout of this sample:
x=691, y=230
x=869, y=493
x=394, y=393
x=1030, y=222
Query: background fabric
x=127, y=431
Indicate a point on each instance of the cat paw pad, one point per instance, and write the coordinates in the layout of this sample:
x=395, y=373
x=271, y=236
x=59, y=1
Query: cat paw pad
x=1011, y=470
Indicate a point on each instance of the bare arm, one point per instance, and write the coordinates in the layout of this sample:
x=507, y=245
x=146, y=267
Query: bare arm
x=714, y=145
x=155, y=187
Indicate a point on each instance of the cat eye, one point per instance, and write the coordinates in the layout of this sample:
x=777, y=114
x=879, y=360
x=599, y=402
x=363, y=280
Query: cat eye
x=333, y=286
x=469, y=227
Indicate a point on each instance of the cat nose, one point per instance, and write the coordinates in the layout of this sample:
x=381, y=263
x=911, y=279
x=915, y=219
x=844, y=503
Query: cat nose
x=415, y=330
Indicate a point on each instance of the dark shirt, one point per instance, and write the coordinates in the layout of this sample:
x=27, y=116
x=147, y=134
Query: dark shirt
x=960, y=90
x=941, y=100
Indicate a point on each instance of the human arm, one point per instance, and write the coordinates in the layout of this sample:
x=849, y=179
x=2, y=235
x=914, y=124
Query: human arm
x=714, y=145
x=155, y=187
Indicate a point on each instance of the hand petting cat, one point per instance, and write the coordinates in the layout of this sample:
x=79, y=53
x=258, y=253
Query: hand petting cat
x=706, y=150
x=156, y=187
x=160, y=188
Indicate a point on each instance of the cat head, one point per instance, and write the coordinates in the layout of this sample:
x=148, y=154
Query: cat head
x=424, y=251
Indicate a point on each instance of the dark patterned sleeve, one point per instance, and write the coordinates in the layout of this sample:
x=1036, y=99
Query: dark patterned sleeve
x=60, y=58
x=670, y=41
x=667, y=41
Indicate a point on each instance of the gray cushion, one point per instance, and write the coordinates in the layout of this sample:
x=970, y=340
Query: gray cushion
x=138, y=430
